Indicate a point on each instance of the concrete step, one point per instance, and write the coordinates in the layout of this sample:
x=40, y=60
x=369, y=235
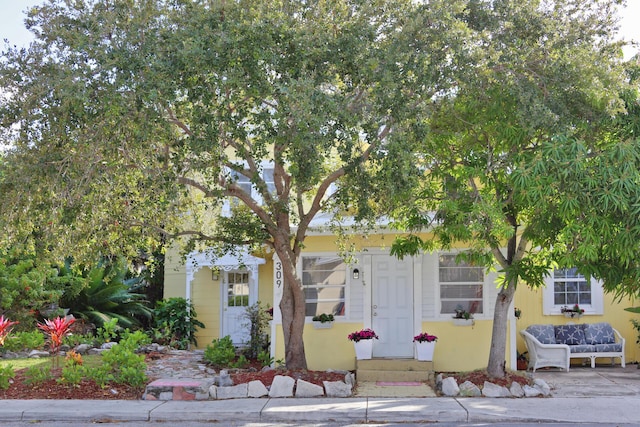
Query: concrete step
x=390, y=370
x=392, y=376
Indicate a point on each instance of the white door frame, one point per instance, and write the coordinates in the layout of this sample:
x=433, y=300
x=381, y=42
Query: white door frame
x=367, y=268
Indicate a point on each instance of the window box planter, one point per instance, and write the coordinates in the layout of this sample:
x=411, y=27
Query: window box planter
x=572, y=315
x=322, y=325
x=463, y=322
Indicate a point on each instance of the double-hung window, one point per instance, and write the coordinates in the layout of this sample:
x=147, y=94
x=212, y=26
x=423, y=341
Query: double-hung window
x=461, y=285
x=324, y=281
x=566, y=287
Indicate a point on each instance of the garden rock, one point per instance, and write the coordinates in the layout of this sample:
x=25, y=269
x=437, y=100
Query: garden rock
x=307, y=389
x=541, y=385
x=350, y=378
x=469, y=389
x=337, y=389
x=450, y=387
x=11, y=355
x=516, y=389
x=493, y=390
x=96, y=351
x=256, y=389
x=239, y=391
x=83, y=348
x=282, y=386
x=108, y=345
x=38, y=353
x=531, y=391
x=223, y=380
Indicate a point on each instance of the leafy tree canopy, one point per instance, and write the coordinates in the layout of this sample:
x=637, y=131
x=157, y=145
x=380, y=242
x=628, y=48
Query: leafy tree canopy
x=534, y=160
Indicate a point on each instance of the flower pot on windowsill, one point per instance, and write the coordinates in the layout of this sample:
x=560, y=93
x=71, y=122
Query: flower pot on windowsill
x=463, y=322
x=424, y=350
x=364, y=349
x=322, y=325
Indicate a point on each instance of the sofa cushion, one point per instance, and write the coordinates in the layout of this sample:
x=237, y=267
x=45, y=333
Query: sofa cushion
x=613, y=348
x=543, y=333
x=582, y=348
x=570, y=334
x=599, y=333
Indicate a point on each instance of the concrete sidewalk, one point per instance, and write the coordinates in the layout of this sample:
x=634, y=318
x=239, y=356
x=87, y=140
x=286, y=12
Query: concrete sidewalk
x=583, y=395
x=619, y=410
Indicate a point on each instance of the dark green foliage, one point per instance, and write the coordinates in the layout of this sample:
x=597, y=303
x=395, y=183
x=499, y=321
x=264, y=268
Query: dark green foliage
x=175, y=321
x=24, y=341
x=122, y=363
x=109, y=294
x=220, y=353
x=258, y=322
x=6, y=374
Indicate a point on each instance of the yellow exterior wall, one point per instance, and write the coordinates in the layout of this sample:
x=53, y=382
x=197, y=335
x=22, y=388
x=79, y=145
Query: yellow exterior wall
x=459, y=348
x=205, y=297
x=530, y=302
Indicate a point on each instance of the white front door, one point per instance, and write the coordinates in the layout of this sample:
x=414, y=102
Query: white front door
x=236, y=297
x=392, y=306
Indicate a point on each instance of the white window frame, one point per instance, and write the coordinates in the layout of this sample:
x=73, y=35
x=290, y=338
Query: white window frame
x=243, y=181
x=347, y=284
x=549, y=308
x=486, y=276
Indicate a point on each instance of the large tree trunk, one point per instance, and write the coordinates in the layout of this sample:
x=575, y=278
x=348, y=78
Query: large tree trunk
x=292, y=307
x=497, y=363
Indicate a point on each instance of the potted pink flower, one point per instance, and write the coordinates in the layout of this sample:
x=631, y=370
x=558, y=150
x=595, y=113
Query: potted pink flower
x=425, y=345
x=363, y=343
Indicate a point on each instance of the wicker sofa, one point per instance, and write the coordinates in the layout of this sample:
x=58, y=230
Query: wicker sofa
x=556, y=345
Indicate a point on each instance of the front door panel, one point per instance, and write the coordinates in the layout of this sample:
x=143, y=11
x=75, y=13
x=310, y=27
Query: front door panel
x=235, y=300
x=392, y=306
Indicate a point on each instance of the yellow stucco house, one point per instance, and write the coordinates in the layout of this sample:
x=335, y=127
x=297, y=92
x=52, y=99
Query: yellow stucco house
x=396, y=298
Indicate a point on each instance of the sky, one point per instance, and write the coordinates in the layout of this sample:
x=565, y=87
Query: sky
x=12, y=25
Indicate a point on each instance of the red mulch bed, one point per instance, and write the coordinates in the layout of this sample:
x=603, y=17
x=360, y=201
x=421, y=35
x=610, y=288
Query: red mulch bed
x=51, y=389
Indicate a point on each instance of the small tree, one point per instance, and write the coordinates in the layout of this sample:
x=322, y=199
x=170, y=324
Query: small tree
x=257, y=316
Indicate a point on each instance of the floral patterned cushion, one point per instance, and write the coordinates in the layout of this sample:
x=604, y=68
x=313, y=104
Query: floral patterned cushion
x=543, y=333
x=599, y=333
x=614, y=348
x=582, y=348
x=570, y=335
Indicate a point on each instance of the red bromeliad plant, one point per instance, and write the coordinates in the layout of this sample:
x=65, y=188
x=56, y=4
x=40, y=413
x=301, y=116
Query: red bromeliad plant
x=57, y=329
x=6, y=326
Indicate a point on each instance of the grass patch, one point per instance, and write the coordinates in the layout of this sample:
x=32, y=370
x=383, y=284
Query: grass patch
x=90, y=361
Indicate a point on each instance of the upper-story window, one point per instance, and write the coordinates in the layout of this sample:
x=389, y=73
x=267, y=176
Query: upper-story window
x=461, y=285
x=245, y=184
x=566, y=287
x=324, y=280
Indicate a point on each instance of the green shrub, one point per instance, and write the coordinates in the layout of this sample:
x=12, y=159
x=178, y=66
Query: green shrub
x=6, y=374
x=175, y=318
x=24, y=341
x=265, y=358
x=636, y=326
x=75, y=340
x=220, y=352
x=257, y=317
x=241, y=363
x=72, y=374
x=37, y=374
x=108, y=331
x=123, y=364
x=101, y=375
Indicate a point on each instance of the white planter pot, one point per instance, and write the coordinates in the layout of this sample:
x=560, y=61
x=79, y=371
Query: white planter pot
x=424, y=350
x=364, y=349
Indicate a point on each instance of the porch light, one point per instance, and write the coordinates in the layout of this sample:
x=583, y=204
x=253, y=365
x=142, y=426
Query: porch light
x=215, y=275
x=356, y=273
